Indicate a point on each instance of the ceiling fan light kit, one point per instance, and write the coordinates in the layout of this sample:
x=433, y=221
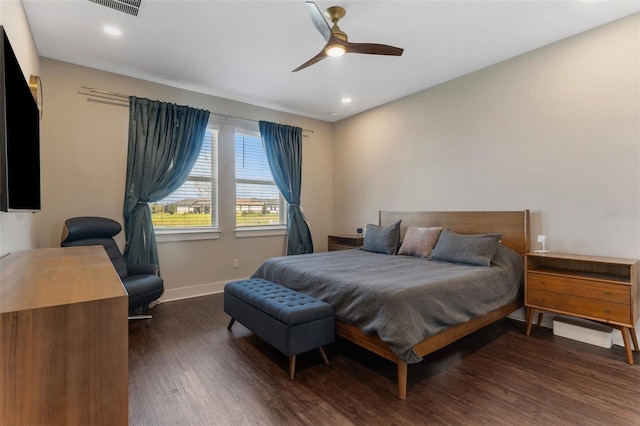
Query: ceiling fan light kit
x=335, y=50
x=336, y=40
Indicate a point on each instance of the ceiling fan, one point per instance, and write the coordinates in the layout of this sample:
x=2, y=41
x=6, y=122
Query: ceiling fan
x=336, y=42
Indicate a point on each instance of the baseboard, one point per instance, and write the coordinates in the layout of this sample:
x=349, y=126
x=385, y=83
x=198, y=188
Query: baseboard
x=583, y=331
x=547, y=322
x=218, y=287
x=172, y=294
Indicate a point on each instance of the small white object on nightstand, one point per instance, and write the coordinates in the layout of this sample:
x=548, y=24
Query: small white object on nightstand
x=542, y=239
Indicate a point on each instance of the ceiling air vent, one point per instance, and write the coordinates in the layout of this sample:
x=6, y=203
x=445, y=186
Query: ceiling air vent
x=130, y=7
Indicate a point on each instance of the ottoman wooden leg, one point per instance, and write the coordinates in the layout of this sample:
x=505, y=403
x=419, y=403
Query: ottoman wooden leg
x=231, y=323
x=324, y=356
x=292, y=367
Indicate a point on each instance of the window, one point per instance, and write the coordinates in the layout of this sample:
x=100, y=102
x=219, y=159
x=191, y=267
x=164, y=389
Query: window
x=258, y=200
x=193, y=206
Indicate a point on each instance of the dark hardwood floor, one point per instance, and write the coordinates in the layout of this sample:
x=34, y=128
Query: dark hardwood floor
x=186, y=368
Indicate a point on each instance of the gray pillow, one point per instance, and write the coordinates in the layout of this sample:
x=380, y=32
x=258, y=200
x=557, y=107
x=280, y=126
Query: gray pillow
x=476, y=249
x=382, y=239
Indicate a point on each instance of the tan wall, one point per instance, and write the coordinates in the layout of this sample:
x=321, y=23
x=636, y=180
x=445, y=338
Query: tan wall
x=16, y=229
x=84, y=153
x=556, y=131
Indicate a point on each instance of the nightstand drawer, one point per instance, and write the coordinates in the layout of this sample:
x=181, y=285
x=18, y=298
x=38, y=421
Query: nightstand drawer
x=607, y=292
x=571, y=304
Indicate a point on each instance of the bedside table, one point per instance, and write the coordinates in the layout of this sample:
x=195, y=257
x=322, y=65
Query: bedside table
x=601, y=289
x=344, y=242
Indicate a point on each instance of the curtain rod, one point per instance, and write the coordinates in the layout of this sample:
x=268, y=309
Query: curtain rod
x=125, y=98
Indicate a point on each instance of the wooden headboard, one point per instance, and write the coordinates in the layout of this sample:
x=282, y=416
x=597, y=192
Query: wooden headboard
x=513, y=225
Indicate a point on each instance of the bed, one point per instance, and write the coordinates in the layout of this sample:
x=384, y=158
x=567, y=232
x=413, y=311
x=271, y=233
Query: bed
x=405, y=307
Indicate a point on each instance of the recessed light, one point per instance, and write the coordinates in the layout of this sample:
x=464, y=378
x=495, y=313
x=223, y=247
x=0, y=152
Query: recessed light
x=346, y=100
x=111, y=30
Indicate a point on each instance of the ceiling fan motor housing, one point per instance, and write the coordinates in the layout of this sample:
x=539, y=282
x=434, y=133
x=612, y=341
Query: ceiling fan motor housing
x=335, y=13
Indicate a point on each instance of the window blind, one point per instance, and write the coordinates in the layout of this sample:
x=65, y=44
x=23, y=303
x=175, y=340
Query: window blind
x=195, y=203
x=258, y=200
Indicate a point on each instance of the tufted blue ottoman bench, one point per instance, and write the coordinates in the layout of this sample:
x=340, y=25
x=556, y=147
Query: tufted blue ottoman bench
x=290, y=321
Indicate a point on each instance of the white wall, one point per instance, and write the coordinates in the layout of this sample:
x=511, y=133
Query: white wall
x=16, y=229
x=84, y=154
x=555, y=131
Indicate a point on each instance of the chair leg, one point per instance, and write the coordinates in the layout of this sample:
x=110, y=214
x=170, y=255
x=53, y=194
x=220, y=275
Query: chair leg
x=292, y=367
x=231, y=323
x=139, y=317
x=139, y=313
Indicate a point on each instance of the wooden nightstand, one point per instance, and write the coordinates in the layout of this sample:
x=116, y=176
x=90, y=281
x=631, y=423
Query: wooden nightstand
x=344, y=242
x=602, y=289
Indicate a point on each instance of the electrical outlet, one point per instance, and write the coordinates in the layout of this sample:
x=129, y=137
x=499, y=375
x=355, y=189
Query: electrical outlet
x=236, y=263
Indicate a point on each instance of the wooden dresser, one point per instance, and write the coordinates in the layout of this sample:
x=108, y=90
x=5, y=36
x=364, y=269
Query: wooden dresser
x=64, y=338
x=602, y=289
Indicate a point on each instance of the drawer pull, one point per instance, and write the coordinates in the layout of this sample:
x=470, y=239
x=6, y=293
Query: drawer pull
x=606, y=311
x=606, y=292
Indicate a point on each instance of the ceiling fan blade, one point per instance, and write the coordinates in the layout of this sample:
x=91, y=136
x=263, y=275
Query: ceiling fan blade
x=320, y=56
x=373, y=49
x=318, y=20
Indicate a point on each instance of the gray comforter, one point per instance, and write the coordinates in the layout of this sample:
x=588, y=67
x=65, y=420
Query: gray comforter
x=403, y=299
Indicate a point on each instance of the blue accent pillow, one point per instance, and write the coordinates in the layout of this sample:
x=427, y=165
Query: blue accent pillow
x=379, y=239
x=478, y=249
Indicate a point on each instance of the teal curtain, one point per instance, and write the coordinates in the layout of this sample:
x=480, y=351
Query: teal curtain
x=164, y=142
x=283, y=147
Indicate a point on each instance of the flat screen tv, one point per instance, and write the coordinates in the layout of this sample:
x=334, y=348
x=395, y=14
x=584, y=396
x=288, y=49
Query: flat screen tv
x=19, y=136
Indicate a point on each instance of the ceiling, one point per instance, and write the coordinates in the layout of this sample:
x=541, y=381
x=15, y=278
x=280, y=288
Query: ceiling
x=246, y=50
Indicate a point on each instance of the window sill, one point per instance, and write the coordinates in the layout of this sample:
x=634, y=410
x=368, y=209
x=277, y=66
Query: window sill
x=165, y=235
x=260, y=231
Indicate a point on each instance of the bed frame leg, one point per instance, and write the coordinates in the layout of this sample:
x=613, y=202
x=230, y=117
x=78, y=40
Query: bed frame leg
x=402, y=379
